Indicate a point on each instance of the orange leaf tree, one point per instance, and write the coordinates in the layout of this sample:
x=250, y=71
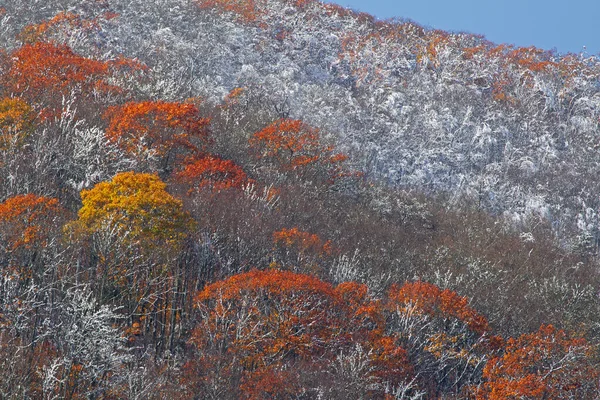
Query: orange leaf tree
x=387, y=363
x=446, y=338
x=547, y=364
x=281, y=325
x=27, y=224
x=156, y=128
x=299, y=249
x=43, y=73
x=292, y=145
x=213, y=173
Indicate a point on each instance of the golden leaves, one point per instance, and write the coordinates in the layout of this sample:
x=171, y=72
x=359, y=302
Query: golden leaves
x=16, y=121
x=140, y=205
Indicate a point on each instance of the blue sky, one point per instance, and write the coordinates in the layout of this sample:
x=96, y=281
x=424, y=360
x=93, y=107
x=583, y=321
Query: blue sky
x=564, y=25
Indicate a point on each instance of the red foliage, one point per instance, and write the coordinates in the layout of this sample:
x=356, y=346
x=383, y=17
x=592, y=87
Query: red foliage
x=214, y=173
x=547, y=364
x=367, y=327
x=44, y=73
x=302, y=241
x=26, y=220
x=430, y=299
x=261, y=325
x=293, y=145
x=277, y=284
x=158, y=126
x=46, y=66
x=245, y=10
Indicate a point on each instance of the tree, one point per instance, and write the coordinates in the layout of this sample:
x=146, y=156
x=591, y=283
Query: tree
x=28, y=225
x=547, y=364
x=89, y=350
x=261, y=322
x=446, y=339
x=301, y=251
x=375, y=362
x=277, y=333
x=137, y=231
x=169, y=131
x=45, y=73
x=293, y=146
x=139, y=206
x=16, y=122
x=213, y=173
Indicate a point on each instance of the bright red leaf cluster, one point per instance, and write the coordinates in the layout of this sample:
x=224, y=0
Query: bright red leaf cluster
x=292, y=145
x=214, y=173
x=40, y=71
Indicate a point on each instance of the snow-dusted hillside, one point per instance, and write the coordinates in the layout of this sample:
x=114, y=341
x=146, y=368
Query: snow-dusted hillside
x=515, y=131
x=286, y=199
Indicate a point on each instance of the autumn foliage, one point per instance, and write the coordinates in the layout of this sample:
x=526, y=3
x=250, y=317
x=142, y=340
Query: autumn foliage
x=245, y=10
x=46, y=72
x=301, y=251
x=258, y=330
x=27, y=220
x=156, y=245
x=139, y=205
x=213, y=173
x=165, y=129
x=549, y=363
x=429, y=299
x=292, y=145
x=303, y=241
x=16, y=121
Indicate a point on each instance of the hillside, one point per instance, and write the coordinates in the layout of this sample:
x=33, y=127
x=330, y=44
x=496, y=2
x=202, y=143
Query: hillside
x=288, y=199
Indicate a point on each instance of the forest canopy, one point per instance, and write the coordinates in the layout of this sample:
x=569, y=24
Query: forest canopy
x=239, y=199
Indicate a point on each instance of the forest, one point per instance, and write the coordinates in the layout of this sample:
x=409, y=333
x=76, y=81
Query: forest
x=288, y=199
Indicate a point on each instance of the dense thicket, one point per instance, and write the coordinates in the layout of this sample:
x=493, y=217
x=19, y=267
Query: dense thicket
x=287, y=199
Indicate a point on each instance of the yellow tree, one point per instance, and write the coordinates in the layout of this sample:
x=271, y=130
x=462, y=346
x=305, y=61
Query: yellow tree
x=139, y=205
x=137, y=230
x=16, y=121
